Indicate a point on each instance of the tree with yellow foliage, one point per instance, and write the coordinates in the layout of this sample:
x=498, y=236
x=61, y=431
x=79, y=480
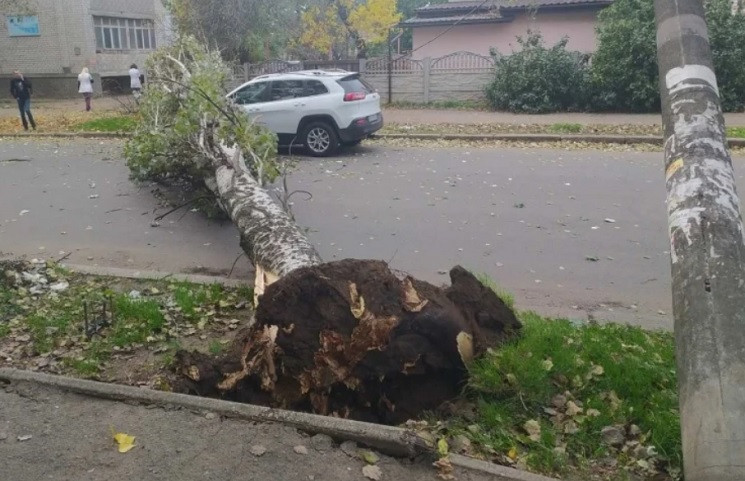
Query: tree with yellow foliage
x=336, y=22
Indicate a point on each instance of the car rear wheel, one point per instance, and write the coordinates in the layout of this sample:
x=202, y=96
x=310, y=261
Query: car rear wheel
x=320, y=139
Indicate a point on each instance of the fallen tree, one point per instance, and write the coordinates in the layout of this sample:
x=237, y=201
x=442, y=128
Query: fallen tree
x=347, y=338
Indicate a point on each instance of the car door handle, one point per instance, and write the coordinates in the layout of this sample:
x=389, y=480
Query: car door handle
x=253, y=110
x=299, y=105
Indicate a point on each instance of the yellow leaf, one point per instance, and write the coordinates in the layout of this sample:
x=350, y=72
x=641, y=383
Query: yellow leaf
x=547, y=364
x=512, y=453
x=369, y=457
x=442, y=447
x=124, y=441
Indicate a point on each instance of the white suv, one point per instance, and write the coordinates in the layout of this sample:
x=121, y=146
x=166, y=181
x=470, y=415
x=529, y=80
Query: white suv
x=317, y=109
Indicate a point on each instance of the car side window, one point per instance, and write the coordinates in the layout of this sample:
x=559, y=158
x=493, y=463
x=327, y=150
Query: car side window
x=286, y=89
x=251, y=94
x=315, y=87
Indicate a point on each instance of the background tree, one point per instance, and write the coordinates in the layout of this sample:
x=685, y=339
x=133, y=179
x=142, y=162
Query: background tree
x=624, y=68
x=243, y=30
x=329, y=27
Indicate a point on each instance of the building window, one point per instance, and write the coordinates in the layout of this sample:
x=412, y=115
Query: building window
x=114, y=33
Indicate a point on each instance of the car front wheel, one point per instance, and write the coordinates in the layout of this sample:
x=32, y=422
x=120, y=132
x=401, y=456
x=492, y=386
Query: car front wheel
x=320, y=139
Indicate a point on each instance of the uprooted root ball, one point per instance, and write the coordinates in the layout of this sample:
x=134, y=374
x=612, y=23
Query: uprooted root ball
x=351, y=339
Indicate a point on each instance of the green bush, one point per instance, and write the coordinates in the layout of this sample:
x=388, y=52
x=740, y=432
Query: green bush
x=727, y=38
x=538, y=79
x=624, y=68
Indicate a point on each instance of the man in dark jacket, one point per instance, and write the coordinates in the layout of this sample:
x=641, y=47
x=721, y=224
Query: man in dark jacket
x=20, y=89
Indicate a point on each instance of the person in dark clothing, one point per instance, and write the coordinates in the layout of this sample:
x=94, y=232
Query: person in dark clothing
x=20, y=89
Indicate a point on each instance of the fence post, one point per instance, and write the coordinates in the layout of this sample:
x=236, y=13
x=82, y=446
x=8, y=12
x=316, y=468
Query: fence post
x=426, y=70
x=361, y=65
x=390, y=68
x=245, y=72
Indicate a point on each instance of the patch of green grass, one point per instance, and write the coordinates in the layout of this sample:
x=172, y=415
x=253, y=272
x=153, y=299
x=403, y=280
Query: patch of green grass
x=170, y=355
x=626, y=375
x=189, y=298
x=506, y=296
x=736, y=132
x=4, y=330
x=216, y=347
x=246, y=293
x=46, y=327
x=564, y=128
x=109, y=124
x=136, y=320
x=91, y=362
x=193, y=299
x=8, y=308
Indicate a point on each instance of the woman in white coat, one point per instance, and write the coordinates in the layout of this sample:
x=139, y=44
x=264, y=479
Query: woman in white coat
x=135, y=82
x=85, y=87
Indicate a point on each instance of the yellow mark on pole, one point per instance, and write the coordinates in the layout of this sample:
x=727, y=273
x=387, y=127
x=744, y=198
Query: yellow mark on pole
x=673, y=168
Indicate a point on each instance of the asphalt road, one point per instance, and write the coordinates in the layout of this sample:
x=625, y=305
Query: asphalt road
x=571, y=233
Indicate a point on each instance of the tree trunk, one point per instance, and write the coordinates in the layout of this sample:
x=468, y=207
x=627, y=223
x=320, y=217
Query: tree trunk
x=707, y=249
x=270, y=238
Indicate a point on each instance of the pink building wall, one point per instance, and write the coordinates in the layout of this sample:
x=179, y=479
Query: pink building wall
x=578, y=25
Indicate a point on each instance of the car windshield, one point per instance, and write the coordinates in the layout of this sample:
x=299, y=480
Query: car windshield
x=251, y=94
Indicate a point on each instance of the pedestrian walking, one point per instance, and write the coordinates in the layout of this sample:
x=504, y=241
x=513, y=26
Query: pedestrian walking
x=135, y=81
x=20, y=89
x=85, y=87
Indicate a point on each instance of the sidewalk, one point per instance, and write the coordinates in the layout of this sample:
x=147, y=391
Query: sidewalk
x=399, y=116
x=50, y=433
x=433, y=117
x=9, y=108
x=69, y=438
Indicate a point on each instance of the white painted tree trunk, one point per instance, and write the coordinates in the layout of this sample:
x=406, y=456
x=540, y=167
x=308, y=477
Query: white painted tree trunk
x=270, y=238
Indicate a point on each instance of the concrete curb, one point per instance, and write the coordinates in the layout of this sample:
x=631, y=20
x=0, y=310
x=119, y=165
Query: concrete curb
x=387, y=439
x=595, y=139
x=598, y=139
x=156, y=275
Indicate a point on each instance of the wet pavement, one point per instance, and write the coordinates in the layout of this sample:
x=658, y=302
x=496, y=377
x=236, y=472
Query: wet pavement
x=578, y=233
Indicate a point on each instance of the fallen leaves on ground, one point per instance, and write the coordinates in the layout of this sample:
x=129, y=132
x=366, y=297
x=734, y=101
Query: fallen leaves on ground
x=42, y=322
x=533, y=428
x=503, y=128
x=498, y=144
x=372, y=472
x=369, y=457
x=124, y=442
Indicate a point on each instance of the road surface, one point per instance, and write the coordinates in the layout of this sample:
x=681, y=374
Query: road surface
x=579, y=234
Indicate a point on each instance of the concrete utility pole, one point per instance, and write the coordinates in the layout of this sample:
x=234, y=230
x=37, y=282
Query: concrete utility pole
x=707, y=249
